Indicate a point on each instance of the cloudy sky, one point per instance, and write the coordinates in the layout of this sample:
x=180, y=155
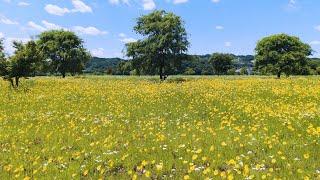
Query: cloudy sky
x=232, y=26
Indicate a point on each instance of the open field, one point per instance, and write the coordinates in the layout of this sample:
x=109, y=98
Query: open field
x=121, y=128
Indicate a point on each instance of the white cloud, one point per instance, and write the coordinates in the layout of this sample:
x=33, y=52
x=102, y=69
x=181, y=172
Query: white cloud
x=317, y=28
x=119, y=1
x=78, y=6
x=227, y=44
x=51, y=26
x=35, y=26
x=45, y=26
x=179, y=1
x=219, y=27
x=1, y=35
x=128, y=40
x=292, y=4
x=7, y=21
x=122, y=35
x=315, y=42
x=215, y=1
x=56, y=10
x=114, y=1
x=148, y=4
x=21, y=3
x=99, y=52
x=125, y=39
x=89, y=30
x=11, y=39
x=78, y=29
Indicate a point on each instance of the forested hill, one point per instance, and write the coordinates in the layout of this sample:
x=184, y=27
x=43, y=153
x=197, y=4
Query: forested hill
x=102, y=65
x=197, y=64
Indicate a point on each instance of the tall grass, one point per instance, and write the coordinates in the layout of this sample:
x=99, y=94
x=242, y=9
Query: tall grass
x=129, y=127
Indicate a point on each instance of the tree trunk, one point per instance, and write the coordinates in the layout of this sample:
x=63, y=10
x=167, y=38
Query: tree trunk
x=161, y=70
x=63, y=74
x=278, y=75
x=17, y=81
x=11, y=82
x=161, y=73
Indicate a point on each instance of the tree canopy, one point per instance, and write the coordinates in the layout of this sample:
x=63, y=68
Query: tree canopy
x=23, y=63
x=64, y=51
x=164, y=45
x=221, y=63
x=2, y=58
x=54, y=51
x=282, y=53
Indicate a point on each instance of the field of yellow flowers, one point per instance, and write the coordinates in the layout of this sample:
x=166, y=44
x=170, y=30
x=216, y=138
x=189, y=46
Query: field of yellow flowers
x=123, y=128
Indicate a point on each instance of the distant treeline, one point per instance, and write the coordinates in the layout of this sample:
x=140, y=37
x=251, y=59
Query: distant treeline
x=194, y=65
x=162, y=51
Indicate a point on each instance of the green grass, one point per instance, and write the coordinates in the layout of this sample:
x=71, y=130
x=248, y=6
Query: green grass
x=135, y=127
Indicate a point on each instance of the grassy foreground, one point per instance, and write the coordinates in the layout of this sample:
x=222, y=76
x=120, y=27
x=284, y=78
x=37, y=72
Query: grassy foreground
x=122, y=128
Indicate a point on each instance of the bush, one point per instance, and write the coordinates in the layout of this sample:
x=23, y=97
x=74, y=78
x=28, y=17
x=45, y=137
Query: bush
x=244, y=71
x=134, y=73
x=189, y=71
x=231, y=71
x=176, y=80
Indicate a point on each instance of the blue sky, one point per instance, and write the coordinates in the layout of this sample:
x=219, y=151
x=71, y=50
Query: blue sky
x=232, y=26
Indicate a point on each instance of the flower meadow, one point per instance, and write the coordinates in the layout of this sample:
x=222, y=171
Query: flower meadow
x=138, y=128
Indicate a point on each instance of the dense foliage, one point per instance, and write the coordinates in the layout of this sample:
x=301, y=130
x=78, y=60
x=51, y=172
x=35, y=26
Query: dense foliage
x=103, y=65
x=197, y=64
x=282, y=53
x=64, y=52
x=23, y=63
x=163, y=47
x=53, y=52
x=221, y=63
x=2, y=58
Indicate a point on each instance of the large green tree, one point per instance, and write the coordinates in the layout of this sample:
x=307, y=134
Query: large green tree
x=163, y=47
x=64, y=51
x=281, y=53
x=2, y=55
x=221, y=63
x=2, y=59
x=22, y=63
